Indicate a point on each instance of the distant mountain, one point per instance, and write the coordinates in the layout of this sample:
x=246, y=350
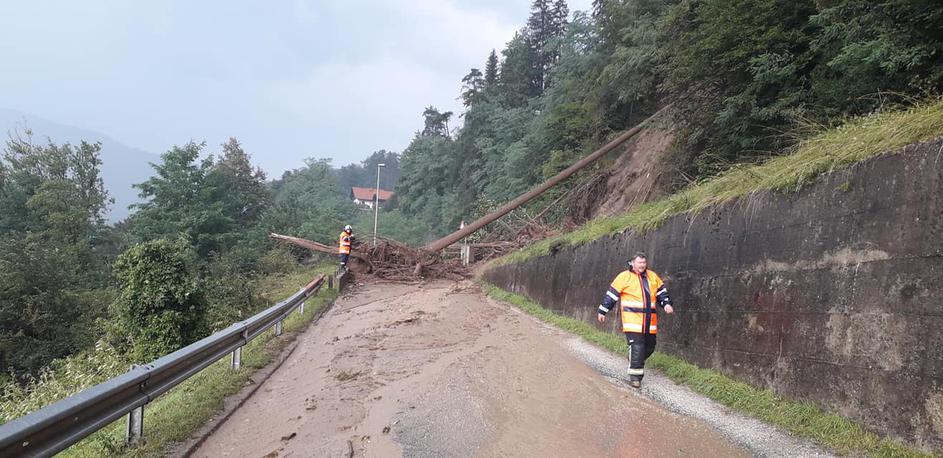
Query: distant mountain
x=122, y=165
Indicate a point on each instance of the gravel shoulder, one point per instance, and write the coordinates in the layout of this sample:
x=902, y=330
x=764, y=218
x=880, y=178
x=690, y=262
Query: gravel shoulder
x=759, y=438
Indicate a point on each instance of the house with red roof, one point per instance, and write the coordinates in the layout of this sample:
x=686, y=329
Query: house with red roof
x=365, y=197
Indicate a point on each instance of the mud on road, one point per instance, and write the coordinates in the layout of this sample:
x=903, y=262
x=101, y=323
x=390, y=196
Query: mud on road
x=441, y=370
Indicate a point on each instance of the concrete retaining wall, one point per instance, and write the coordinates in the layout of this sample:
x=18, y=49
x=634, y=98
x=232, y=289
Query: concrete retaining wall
x=832, y=294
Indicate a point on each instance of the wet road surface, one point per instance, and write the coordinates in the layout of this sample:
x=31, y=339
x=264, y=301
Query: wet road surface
x=440, y=370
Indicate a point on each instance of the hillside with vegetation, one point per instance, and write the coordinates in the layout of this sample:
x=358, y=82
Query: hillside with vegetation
x=747, y=80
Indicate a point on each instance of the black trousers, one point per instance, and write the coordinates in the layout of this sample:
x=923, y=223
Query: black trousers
x=344, y=257
x=641, y=346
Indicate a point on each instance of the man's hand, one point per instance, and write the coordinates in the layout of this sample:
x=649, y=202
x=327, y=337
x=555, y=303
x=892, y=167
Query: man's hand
x=600, y=318
x=669, y=309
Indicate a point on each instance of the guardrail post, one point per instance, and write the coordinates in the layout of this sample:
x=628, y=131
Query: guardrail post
x=237, y=358
x=135, y=429
x=301, y=308
x=278, y=328
x=330, y=282
x=236, y=361
x=135, y=426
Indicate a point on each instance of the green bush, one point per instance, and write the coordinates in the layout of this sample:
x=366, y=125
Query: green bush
x=160, y=307
x=277, y=260
x=231, y=291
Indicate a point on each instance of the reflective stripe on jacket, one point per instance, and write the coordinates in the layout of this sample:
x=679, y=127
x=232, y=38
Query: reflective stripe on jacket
x=343, y=243
x=636, y=295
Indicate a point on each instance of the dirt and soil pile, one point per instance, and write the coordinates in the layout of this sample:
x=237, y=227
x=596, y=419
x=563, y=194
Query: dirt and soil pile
x=392, y=260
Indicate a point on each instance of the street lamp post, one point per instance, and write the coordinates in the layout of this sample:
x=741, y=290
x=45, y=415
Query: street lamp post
x=376, y=205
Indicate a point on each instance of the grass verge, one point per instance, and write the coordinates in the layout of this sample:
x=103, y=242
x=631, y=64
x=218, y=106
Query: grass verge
x=173, y=417
x=800, y=418
x=857, y=140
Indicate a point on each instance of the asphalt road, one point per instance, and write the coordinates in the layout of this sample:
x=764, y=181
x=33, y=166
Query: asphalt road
x=440, y=370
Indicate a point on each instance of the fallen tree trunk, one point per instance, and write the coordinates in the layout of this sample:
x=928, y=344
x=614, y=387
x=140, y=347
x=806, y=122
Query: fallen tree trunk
x=305, y=243
x=529, y=195
x=319, y=247
x=390, y=260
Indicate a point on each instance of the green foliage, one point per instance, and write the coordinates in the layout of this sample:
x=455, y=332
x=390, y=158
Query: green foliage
x=622, y=85
x=436, y=123
x=161, y=306
x=867, y=47
x=473, y=86
x=210, y=203
x=51, y=204
x=277, y=260
x=743, y=73
x=393, y=224
x=239, y=186
x=309, y=203
x=364, y=175
x=56, y=255
x=424, y=191
x=231, y=290
x=176, y=201
x=515, y=77
x=491, y=70
x=735, y=67
x=175, y=416
x=545, y=28
x=61, y=378
x=40, y=306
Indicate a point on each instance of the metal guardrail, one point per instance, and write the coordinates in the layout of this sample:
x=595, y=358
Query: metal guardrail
x=63, y=423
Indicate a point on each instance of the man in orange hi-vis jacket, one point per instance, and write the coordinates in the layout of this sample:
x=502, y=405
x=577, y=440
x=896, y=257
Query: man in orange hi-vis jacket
x=636, y=292
x=343, y=245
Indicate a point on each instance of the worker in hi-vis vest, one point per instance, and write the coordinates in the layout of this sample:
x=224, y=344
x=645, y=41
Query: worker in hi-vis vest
x=343, y=244
x=636, y=292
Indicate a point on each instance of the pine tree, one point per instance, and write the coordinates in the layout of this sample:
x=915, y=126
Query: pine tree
x=515, y=79
x=472, y=85
x=539, y=26
x=436, y=122
x=558, y=24
x=559, y=15
x=491, y=69
x=546, y=28
x=242, y=187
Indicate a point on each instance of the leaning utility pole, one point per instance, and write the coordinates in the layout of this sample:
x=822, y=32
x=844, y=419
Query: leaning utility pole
x=529, y=195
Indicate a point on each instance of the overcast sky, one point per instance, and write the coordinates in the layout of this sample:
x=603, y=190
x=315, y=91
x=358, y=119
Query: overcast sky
x=289, y=79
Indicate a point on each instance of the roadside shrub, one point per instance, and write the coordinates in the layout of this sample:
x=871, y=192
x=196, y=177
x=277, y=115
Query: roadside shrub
x=278, y=260
x=231, y=290
x=160, y=307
